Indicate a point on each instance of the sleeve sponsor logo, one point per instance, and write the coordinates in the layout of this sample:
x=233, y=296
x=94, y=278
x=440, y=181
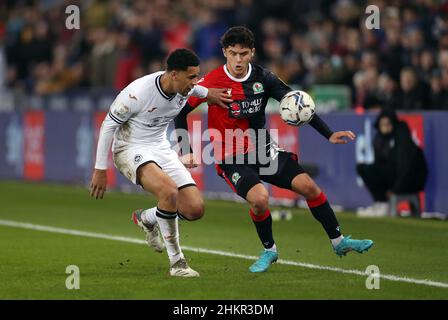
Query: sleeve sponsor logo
x=235, y=177
x=121, y=110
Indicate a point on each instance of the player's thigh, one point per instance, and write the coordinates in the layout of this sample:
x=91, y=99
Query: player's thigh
x=241, y=178
x=153, y=179
x=130, y=161
x=175, y=169
x=141, y=166
x=288, y=169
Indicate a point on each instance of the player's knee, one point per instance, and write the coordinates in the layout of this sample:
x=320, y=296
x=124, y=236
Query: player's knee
x=199, y=209
x=260, y=202
x=310, y=190
x=195, y=210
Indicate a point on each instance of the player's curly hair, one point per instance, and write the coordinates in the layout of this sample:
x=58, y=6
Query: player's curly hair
x=238, y=35
x=181, y=59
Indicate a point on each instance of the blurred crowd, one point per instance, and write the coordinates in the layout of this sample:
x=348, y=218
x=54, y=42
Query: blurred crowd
x=402, y=65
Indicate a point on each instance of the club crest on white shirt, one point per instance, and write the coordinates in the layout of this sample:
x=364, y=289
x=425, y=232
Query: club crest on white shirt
x=181, y=102
x=138, y=158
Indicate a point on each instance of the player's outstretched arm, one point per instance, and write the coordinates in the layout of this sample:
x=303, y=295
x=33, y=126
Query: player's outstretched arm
x=98, y=184
x=342, y=137
x=320, y=126
x=339, y=137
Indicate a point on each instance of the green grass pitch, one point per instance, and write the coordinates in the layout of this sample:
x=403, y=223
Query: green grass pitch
x=33, y=263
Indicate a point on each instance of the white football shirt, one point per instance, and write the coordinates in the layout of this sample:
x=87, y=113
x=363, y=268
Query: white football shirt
x=140, y=115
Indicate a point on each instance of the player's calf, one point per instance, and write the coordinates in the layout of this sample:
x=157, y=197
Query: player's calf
x=258, y=197
x=322, y=212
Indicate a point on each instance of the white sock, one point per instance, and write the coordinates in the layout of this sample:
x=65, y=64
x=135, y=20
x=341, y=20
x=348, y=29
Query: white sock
x=170, y=232
x=273, y=248
x=149, y=216
x=337, y=240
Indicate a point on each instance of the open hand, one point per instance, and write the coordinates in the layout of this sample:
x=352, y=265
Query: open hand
x=189, y=161
x=219, y=97
x=340, y=137
x=98, y=184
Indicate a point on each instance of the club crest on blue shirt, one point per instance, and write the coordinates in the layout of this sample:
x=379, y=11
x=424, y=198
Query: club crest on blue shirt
x=258, y=88
x=235, y=177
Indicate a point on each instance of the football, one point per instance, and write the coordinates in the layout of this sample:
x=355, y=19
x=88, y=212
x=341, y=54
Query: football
x=297, y=108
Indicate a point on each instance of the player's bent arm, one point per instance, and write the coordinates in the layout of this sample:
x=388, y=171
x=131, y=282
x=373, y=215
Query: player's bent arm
x=277, y=90
x=213, y=96
x=338, y=137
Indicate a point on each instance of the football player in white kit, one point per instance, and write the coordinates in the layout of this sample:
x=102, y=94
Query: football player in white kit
x=137, y=122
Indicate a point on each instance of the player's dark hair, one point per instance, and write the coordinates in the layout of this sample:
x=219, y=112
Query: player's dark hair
x=238, y=35
x=181, y=59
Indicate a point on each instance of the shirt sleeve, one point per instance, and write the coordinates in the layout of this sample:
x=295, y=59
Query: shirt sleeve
x=276, y=88
x=200, y=91
x=196, y=100
x=123, y=107
x=320, y=126
x=105, y=138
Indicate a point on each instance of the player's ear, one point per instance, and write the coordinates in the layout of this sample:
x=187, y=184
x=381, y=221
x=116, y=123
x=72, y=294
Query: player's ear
x=253, y=52
x=224, y=52
x=173, y=75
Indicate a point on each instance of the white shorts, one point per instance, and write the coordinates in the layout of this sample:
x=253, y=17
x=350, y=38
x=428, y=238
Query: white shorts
x=128, y=160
